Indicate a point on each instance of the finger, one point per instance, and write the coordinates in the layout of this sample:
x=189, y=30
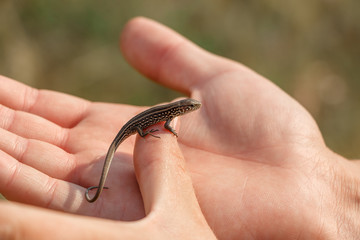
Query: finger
x=45, y=157
x=19, y=221
x=32, y=126
x=164, y=182
x=50, y=105
x=166, y=57
x=23, y=183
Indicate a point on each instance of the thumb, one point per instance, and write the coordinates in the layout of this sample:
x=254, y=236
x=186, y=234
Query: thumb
x=160, y=170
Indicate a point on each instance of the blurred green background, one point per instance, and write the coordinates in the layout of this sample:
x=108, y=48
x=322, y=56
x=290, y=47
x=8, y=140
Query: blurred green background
x=311, y=49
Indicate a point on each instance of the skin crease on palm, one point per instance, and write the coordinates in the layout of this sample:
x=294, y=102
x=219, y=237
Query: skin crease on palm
x=257, y=160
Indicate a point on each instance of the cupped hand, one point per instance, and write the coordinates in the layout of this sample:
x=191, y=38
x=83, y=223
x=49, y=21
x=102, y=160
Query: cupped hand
x=257, y=159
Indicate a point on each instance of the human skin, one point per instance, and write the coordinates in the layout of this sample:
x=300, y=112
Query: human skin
x=257, y=160
x=172, y=210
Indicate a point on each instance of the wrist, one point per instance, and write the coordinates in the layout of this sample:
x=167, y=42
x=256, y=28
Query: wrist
x=344, y=207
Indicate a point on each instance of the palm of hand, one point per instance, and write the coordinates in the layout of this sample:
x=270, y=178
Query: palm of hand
x=254, y=158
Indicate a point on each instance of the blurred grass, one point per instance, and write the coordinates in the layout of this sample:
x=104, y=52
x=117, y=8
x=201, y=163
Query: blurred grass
x=309, y=48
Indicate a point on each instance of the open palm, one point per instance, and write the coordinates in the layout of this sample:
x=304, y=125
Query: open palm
x=252, y=151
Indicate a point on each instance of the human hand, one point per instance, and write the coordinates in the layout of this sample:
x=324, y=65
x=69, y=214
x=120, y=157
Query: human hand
x=169, y=199
x=258, y=162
